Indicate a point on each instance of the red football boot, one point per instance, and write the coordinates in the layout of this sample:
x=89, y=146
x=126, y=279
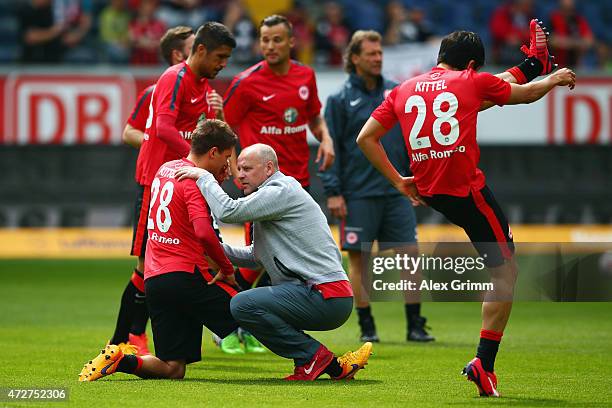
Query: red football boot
x=485, y=381
x=538, y=46
x=314, y=368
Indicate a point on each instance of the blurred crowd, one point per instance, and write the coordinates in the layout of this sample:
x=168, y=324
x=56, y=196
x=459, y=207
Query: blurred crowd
x=128, y=31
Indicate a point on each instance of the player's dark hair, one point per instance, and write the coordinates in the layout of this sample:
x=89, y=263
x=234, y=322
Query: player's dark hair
x=211, y=133
x=354, y=46
x=174, y=39
x=459, y=47
x=276, y=19
x=213, y=35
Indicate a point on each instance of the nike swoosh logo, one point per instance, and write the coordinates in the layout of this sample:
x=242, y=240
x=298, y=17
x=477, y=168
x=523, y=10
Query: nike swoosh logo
x=194, y=100
x=108, y=367
x=267, y=98
x=355, y=102
x=309, y=370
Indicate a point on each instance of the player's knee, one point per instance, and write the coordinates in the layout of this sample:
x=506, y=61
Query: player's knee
x=176, y=371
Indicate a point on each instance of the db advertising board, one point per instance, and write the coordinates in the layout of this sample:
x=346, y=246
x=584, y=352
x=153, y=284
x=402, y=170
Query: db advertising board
x=92, y=109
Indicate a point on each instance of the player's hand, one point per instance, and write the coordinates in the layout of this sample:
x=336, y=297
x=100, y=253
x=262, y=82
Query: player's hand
x=408, y=188
x=189, y=172
x=337, y=206
x=215, y=101
x=325, y=154
x=564, y=77
x=229, y=279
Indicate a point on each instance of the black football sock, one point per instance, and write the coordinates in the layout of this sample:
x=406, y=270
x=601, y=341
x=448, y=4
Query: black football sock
x=141, y=314
x=333, y=369
x=126, y=314
x=129, y=364
x=487, y=348
x=364, y=313
x=413, y=311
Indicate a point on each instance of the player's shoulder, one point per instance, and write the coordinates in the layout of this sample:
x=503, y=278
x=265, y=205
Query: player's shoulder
x=148, y=89
x=302, y=69
x=480, y=78
x=173, y=72
x=253, y=72
x=170, y=167
x=146, y=93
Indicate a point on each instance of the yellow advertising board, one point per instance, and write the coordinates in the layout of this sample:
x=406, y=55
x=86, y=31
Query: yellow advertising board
x=67, y=243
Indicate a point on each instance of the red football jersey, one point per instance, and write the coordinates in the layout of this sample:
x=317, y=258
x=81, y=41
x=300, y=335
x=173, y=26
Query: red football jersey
x=275, y=109
x=177, y=93
x=138, y=120
x=172, y=245
x=437, y=112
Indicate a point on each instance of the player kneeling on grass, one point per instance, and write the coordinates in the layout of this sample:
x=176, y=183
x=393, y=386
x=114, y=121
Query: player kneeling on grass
x=437, y=113
x=292, y=241
x=182, y=294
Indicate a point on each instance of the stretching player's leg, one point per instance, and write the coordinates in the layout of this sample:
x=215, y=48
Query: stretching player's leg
x=486, y=225
x=498, y=303
x=495, y=314
x=491, y=234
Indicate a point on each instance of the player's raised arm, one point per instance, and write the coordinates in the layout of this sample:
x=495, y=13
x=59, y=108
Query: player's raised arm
x=531, y=92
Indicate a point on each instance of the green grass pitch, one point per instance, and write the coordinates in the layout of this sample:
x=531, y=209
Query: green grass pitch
x=55, y=315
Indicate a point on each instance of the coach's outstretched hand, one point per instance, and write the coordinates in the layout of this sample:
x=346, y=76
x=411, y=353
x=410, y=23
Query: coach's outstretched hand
x=408, y=188
x=189, y=172
x=564, y=77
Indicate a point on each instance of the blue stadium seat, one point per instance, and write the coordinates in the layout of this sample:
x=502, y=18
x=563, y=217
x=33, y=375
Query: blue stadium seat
x=364, y=15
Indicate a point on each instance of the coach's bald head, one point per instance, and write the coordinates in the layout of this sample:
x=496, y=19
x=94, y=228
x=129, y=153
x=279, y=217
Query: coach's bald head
x=256, y=164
